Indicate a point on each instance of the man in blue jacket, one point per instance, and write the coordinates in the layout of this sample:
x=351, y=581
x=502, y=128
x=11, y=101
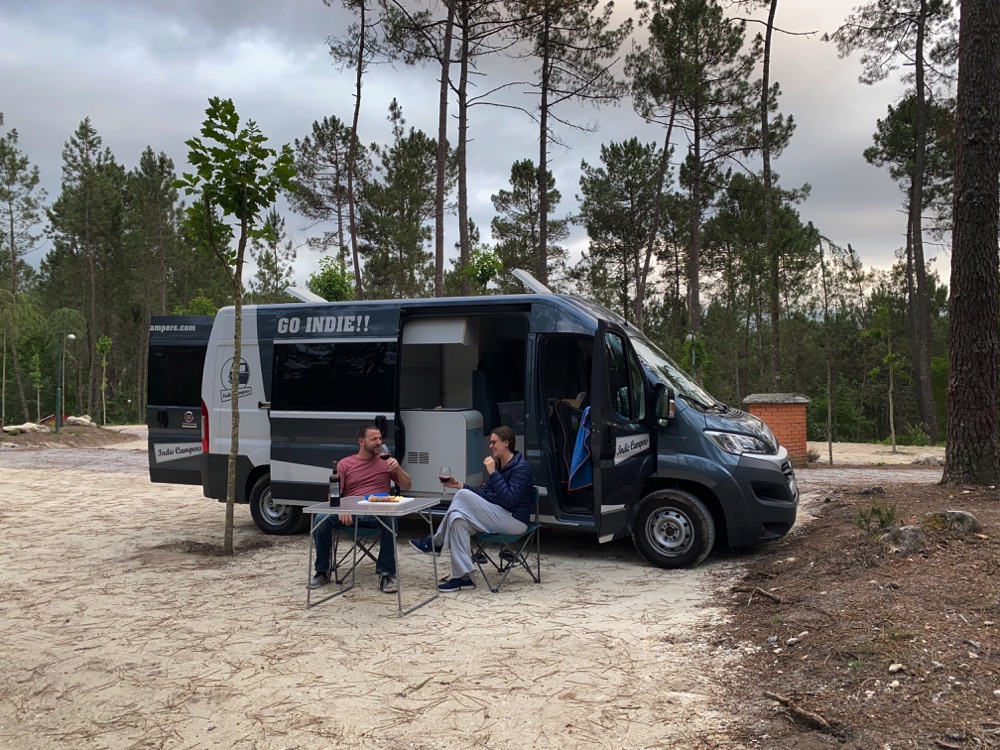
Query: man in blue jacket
x=502, y=505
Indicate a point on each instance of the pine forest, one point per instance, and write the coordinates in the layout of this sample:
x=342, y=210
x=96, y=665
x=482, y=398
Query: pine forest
x=692, y=237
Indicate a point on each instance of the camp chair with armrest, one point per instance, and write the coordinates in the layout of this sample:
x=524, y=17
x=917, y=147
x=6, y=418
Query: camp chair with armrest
x=499, y=554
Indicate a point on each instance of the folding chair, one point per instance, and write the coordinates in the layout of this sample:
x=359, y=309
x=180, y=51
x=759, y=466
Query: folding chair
x=511, y=551
x=365, y=541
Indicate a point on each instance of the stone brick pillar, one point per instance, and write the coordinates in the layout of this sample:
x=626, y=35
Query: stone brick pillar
x=785, y=414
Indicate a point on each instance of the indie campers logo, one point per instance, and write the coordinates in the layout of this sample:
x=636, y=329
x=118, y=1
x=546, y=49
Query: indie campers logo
x=243, y=387
x=630, y=445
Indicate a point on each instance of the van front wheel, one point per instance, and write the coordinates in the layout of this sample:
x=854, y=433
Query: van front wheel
x=272, y=517
x=673, y=529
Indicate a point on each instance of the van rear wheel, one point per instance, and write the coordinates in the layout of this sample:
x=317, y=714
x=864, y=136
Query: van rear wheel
x=271, y=517
x=673, y=529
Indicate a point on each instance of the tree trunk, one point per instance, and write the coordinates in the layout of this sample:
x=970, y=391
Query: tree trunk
x=234, y=383
x=654, y=229
x=543, y=139
x=694, y=247
x=352, y=151
x=772, y=246
x=973, y=448
x=442, y=153
x=922, y=363
x=463, y=135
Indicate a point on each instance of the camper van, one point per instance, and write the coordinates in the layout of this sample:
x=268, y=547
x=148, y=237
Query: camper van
x=621, y=441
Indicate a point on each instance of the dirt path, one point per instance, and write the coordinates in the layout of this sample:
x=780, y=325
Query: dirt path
x=118, y=634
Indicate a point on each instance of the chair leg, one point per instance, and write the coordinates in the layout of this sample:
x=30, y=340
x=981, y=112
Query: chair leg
x=365, y=547
x=507, y=559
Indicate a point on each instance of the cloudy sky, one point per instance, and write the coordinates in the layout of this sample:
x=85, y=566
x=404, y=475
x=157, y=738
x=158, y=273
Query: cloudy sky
x=143, y=72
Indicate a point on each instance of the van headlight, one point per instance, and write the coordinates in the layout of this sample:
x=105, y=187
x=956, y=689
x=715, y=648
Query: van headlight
x=739, y=443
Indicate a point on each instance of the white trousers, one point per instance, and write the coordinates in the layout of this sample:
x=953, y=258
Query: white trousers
x=470, y=514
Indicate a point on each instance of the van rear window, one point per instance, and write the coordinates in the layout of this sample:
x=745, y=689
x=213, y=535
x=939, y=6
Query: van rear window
x=175, y=375
x=328, y=376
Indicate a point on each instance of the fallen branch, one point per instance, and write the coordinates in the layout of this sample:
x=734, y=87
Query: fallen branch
x=811, y=718
x=758, y=590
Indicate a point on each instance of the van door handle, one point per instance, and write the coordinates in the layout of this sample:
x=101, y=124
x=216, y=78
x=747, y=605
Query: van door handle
x=263, y=404
x=161, y=418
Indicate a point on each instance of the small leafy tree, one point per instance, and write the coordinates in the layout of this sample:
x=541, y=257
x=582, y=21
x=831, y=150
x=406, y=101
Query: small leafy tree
x=333, y=282
x=103, y=348
x=200, y=304
x=236, y=179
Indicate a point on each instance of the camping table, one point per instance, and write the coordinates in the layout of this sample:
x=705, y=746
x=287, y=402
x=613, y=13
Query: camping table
x=358, y=506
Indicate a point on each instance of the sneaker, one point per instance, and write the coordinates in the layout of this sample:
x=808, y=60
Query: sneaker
x=457, y=584
x=320, y=579
x=387, y=583
x=426, y=545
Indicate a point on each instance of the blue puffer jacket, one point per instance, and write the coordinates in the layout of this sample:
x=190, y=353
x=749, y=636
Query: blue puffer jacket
x=512, y=488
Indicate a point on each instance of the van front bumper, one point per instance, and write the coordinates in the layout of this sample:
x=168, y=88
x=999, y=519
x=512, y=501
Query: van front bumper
x=770, y=495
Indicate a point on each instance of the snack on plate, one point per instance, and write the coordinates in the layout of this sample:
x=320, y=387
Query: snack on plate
x=383, y=498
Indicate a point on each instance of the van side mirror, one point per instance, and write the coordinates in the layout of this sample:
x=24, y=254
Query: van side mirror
x=664, y=406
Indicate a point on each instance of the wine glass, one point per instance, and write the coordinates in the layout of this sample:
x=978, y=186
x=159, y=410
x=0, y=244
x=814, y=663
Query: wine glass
x=384, y=452
x=444, y=474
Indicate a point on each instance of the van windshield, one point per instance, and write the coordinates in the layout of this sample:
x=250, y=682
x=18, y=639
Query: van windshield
x=669, y=373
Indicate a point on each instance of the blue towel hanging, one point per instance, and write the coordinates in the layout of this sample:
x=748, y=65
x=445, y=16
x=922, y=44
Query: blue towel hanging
x=581, y=470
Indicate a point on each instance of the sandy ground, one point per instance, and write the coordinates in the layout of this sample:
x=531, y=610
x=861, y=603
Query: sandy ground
x=119, y=632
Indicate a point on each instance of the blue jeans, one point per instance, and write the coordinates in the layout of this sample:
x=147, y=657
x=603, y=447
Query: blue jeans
x=323, y=538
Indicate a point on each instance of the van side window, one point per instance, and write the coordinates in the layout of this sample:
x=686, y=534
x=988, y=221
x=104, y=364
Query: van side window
x=334, y=376
x=628, y=397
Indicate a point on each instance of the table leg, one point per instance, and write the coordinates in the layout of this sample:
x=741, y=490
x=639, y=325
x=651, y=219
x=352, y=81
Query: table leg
x=393, y=527
x=343, y=589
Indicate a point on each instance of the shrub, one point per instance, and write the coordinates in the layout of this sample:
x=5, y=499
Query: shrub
x=877, y=516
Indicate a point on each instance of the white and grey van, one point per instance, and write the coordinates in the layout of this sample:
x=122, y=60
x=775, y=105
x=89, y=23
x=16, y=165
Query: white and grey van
x=665, y=462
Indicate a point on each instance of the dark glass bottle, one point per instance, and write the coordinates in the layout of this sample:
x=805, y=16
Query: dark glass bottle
x=334, y=487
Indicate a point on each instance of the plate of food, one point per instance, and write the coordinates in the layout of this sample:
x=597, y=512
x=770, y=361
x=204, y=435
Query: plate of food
x=383, y=498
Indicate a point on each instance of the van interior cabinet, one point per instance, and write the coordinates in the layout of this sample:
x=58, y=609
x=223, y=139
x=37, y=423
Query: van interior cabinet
x=442, y=437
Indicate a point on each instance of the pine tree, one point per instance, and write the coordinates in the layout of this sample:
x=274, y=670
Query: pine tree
x=275, y=256
x=396, y=208
x=322, y=193
x=517, y=231
x=21, y=202
x=891, y=33
x=576, y=48
x=618, y=206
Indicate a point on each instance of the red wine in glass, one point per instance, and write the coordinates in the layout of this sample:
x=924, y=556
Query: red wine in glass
x=384, y=453
x=444, y=474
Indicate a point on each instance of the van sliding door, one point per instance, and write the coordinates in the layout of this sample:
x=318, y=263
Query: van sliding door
x=621, y=440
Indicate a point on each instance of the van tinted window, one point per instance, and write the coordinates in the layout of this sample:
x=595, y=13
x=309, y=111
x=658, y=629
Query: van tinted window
x=354, y=376
x=175, y=375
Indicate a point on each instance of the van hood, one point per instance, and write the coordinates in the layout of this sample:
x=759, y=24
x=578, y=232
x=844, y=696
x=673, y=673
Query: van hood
x=726, y=419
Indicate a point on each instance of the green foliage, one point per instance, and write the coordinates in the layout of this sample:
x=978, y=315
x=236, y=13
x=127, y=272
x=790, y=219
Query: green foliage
x=913, y=435
x=200, y=304
x=396, y=212
x=333, y=282
x=275, y=256
x=618, y=207
x=239, y=178
x=878, y=515
x=516, y=227
x=483, y=267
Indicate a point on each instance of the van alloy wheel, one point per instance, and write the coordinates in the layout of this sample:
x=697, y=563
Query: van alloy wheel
x=673, y=529
x=271, y=517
